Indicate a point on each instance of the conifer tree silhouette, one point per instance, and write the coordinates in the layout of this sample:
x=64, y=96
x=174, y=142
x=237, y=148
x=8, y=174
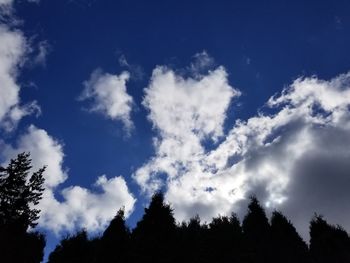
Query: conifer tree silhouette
x=115, y=241
x=225, y=236
x=157, y=238
x=328, y=243
x=287, y=245
x=33, y=247
x=19, y=194
x=256, y=234
x=76, y=248
x=194, y=242
x=154, y=236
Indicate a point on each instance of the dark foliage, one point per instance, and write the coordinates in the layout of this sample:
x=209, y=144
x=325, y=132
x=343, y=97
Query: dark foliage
x=77, y=249
x=256, y=234
x=157, y=237
x=225, y=237
x=115, y=241
x=328, y=243
x=193, y=241
x=153, y=238
x=287, y=245
x=19, y=194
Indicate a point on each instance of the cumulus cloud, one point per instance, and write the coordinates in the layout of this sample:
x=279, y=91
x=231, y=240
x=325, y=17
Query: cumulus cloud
x=13, y=48
x=295, y=159
x=44, y=151
x=109, y=95
x=83, y=208
x=79, y=207
x=186, y=112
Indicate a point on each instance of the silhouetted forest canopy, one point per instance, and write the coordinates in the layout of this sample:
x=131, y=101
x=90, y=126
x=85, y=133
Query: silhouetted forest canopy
x=157, y=237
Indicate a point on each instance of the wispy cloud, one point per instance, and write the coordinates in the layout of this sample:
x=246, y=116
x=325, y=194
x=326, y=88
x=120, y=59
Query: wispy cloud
x=43, y=49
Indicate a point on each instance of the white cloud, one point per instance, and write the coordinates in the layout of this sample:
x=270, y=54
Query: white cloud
x=44, y=151
x=109, y=96
x=83, y=208
x=270, y=155
x=80, y=207
x=13, y=48
x=6, y=2
x=183, y=107
x=185, y=112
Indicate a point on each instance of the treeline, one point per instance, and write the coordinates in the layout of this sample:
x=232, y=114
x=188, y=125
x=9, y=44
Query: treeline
x=157, y=237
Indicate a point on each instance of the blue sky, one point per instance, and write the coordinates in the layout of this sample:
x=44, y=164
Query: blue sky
x=177, y=95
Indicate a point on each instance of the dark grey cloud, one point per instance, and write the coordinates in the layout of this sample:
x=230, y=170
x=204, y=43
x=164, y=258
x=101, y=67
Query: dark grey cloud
x=320, y=181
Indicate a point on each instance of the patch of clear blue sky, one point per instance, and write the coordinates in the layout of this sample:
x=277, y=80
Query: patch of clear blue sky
x=264, y=45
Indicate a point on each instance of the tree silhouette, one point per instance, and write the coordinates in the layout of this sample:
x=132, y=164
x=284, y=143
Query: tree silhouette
x=114, y=243
x=287, y=245
x=225, y=236
x=256, y=234
x=157, y=238
x=76, y=248
x=193, y=241
x=33, y=247
x=154, y=235
x=328, y=243
x=19, y=194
